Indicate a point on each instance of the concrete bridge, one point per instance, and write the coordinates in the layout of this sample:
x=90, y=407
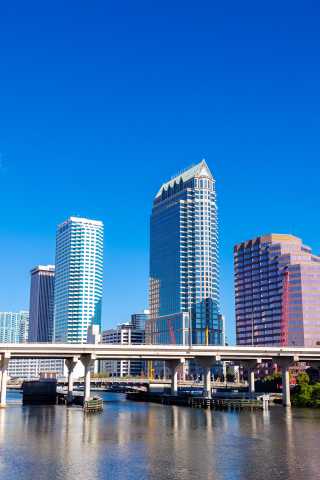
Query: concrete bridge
x=174, y=355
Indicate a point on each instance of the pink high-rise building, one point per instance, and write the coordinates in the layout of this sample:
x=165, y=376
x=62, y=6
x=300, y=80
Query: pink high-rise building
x=277, y=292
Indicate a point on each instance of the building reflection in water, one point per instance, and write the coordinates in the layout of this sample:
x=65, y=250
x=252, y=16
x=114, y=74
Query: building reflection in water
x=153, y=442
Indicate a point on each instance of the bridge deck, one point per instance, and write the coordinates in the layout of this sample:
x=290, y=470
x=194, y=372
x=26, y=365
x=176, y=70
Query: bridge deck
x=154, y=352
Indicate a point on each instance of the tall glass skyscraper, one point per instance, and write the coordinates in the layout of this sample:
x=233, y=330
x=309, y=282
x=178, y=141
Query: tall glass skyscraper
x=184, y=264
x=41, y=303
x=78, y=280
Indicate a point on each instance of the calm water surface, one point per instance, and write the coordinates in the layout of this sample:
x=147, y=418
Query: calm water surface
x=144, y=441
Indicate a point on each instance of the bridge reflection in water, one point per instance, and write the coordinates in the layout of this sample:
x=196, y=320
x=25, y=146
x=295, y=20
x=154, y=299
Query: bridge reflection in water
x=151, y=442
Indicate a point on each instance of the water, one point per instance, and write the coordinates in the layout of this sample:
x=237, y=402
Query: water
x=138, y=441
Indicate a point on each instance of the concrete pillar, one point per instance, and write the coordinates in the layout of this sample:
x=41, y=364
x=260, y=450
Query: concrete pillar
x=236, y=374
x=286, y=400
x=285, y=363
x=206, y=364
x=174, y=365
x=87, y=380
x=224, y=370
x=183, y=372
x=250, y=365
x=174, y=381
x=4, y=371
x=88, y=362
x=70, y=364
x=207, y=382
x=251, y=379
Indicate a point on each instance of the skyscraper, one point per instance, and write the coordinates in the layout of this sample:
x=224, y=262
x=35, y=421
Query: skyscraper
x=41, y=303
x=78, y=280
x=277, y=292
x=184, y=264
x=14, y=326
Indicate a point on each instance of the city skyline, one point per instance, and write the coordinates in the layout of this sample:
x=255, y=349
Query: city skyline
x=230, y=322
x=159, y=240
x=100, y=121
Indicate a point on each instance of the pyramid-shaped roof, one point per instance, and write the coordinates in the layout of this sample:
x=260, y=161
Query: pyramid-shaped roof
x=199, y=170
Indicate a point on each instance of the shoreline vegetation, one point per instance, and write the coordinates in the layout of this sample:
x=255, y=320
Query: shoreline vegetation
x=306, y=392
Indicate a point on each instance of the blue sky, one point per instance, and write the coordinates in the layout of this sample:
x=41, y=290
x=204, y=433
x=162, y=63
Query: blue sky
x=100, y=102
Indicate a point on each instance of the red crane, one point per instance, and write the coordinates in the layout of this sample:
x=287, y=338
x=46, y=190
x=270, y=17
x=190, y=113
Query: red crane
x=285, y=310
x=171, y=332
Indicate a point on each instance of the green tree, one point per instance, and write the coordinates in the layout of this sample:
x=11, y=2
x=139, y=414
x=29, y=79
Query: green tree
x=303, y=392
x=315, y=396
x=303, y=397
x=303, y=379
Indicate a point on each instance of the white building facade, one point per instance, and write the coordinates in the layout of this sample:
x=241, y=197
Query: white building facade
x=123, y=334
x=78, y=279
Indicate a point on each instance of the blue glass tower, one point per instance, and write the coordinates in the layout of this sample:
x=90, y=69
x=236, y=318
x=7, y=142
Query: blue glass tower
x=184, y=263
x=78, y=279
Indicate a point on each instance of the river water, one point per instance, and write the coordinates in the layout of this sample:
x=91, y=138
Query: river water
x=138, y=441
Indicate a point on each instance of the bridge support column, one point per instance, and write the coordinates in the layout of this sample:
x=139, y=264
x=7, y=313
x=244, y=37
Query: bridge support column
x=70, y=364
x=236, y=374
x=251, y=379
x=250, y=365
x=207, y=364
x=174, y=365
x=88, y=362
x=4, y=374
x=286, y=398
x=224, y=370
x=164, y=370
x=285, y=364
x=207, y=382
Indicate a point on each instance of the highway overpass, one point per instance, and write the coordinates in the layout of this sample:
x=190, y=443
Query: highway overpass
x=174, y=355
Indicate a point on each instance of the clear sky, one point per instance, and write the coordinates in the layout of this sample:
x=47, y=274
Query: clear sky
x=100, y=102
